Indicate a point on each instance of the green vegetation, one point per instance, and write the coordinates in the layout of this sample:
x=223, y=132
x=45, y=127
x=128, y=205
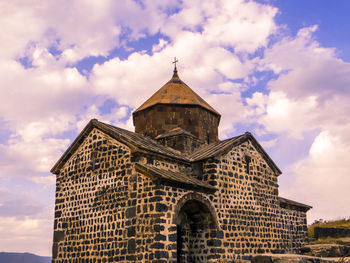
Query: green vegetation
x=328, y=240
x=343, y=223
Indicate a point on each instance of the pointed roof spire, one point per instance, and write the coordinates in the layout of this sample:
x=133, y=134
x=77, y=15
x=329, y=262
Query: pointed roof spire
x=175, y=69
x=175, y=91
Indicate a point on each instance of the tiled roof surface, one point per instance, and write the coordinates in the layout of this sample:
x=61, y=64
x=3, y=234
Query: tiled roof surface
x=132, y=139
x=139, y=142
x=176, y=91
x=173, y=176
x=213, y=149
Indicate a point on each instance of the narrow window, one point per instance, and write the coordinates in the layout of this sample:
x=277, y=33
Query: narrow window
x=77, y=162
x=247, y=162
x=93, y=159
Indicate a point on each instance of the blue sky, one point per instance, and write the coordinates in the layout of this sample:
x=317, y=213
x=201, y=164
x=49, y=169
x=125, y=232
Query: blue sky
x=279, y=69
x=332, y=19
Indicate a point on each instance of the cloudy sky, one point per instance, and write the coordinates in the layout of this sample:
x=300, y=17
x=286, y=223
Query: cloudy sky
x=279, y=69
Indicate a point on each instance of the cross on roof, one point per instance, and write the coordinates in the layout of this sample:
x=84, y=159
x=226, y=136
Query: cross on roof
x=175, y=60
x=175, y=69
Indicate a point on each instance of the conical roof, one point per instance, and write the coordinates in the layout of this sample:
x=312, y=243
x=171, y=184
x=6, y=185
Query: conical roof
x=175, y=91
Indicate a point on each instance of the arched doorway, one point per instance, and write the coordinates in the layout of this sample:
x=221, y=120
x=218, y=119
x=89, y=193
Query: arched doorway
x=195, y=221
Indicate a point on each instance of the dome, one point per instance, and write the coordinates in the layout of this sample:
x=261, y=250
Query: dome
x=175, y=91
x=176, y=105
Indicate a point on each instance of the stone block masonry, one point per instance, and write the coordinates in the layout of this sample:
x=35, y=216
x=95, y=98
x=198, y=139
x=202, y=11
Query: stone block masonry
x=107, y=211
x=93, y=213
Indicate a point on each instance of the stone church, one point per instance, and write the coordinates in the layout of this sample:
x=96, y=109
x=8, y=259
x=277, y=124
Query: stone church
x=171, y=191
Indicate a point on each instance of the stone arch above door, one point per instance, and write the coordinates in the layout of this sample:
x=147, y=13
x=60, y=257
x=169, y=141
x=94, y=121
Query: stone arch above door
x=197, y=229
x=200, y=199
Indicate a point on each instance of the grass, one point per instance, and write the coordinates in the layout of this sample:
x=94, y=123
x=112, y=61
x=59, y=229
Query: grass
x=328, y=240
x=343, y=223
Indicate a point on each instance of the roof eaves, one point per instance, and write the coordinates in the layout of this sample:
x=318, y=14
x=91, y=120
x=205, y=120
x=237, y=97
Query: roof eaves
x=141, y=148
x=294, y=204
x=229, y=144
x=182, y=104
x=116, y=135
x=208, y=152
x=109, y=130
x=178, y=178
x=261, y=150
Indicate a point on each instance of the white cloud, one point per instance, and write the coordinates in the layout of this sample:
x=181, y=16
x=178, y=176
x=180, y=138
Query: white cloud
x=39, y=92
x=307, y=68
x=161, y=44
x=77, y=28
x=27, y=234
x=321, y=180
x=232, y=111
x=45, y=180
x=269, y=143
x=27, y=159
x=287, y=115
x=115, y=117
x=18, y=205
x=14, y=36
x=26, y=223
x=310, y=94
x=244, y=26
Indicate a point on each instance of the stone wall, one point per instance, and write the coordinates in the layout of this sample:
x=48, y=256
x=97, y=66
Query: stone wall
x=156, y=232
x=106, y=211
x=249, y=218
x=331, y=232
x=160, y=118
x=247, y=207
x=92, y=199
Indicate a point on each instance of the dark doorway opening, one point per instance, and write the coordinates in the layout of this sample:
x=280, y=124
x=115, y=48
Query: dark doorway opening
x=194, y=223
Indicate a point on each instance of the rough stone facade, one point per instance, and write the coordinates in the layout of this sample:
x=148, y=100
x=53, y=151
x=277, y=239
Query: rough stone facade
x=123, y=197
x=92, y=196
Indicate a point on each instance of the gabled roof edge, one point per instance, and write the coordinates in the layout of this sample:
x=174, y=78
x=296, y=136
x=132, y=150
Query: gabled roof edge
x=94, y=123
x=237, y=141
x=264, y=154
x=75, y=144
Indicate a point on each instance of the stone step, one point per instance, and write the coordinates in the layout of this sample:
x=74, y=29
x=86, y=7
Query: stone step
x=326, y=250
x=294, y=258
